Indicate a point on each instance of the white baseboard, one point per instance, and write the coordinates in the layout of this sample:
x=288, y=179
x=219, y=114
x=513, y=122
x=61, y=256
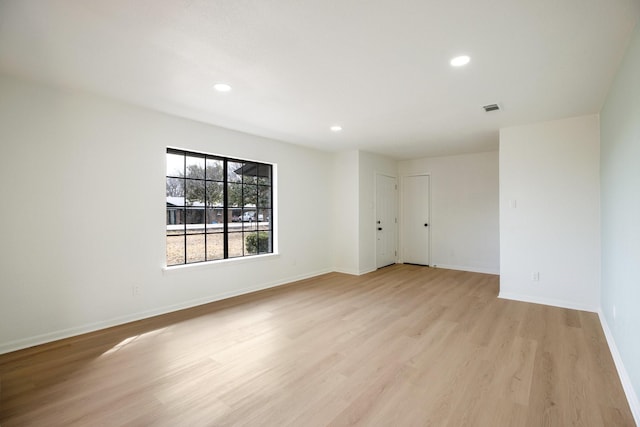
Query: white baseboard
x=95, y=326
x=353, y=272
x=627, y=386
x=366, y=271
x=547, y=301
x=467, y=268
x=349, y=271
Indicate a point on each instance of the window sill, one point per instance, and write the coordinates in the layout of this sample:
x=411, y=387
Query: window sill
x=220, y=262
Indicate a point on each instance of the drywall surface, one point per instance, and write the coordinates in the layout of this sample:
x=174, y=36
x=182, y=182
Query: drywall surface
x=620, y=181
x=83, y=214
x=369, y=165
x=345, y=212
x=464, y=210
x=550, y=213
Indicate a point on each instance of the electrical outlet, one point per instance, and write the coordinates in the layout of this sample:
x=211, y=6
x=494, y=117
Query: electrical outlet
x=614, y=312
x=135, y=290
x=535, y=276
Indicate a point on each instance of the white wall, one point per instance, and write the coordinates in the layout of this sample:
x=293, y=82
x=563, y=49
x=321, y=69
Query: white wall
x=354, y=223
x=83, y=214
x=369, y=165
x=464, y=221
x=345, y=212
x=551, y=171
x=620, y=180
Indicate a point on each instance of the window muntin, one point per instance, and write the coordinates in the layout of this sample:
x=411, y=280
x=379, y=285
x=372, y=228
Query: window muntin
x=217, y=207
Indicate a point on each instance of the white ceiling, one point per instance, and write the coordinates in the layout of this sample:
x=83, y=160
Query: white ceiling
x=380, y=68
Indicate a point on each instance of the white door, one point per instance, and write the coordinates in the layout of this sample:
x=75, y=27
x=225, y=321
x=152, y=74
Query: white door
x=415, y=219
x=386, y=220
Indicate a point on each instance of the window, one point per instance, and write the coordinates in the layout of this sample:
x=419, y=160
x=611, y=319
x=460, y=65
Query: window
x=217, y=208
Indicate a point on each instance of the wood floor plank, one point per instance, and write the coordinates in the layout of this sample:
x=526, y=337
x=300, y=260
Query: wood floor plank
x=405, y=345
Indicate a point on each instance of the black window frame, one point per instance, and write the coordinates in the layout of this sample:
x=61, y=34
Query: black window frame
x=251, y=175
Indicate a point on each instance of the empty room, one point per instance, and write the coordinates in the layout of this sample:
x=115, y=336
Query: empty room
x=329, y=213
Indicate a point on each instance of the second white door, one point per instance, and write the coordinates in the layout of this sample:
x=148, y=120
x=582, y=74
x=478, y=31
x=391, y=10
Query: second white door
x=415, y=220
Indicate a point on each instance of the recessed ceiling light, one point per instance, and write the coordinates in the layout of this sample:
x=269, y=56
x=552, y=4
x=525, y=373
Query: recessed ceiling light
x=459, y=61
x=335, y=128
x=222, y=87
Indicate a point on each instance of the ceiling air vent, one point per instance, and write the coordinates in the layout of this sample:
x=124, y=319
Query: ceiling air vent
x=491, y=107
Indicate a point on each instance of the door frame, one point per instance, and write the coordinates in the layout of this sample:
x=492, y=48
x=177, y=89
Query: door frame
x=401, y=215
x=375, y=215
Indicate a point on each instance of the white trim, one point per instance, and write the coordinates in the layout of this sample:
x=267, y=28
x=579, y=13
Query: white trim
x=547, y=301
x=627, y=386
x=354, y=272
x=91, y=327
x=466, y=268
x=350, y=271
x=217, y=263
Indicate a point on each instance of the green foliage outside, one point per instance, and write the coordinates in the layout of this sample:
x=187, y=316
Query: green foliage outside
x=257, y=242
x=242, y=191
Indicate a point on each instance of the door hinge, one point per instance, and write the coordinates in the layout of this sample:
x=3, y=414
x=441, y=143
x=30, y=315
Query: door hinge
x=396, y=220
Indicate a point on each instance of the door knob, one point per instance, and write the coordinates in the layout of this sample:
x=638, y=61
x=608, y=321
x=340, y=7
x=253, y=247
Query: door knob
x=426, y=225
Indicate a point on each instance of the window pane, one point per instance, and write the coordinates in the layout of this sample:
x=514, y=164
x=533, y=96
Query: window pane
x=215, y=248
x=233, y=171
x=249, y=173
x=235, y=217
x=264, y=219
x=195, y=220
x=264, y=174
x=249, y=214
x=257, y=242
x=266, y=246
x=175, y=220
x=214, y=169
x=249, y=169
x=251, y=225
x=235, y=195
x=195, y=192
x=214, y=193
x=195, y=248
x=215, y=220
x=175, y=165
x=264, y=196
x=236, y=244
x=175, y=250
x=195, y=167
x=175, y=188
x=249, y=195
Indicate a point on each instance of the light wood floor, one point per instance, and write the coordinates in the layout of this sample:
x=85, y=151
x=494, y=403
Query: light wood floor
x=404, y=346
